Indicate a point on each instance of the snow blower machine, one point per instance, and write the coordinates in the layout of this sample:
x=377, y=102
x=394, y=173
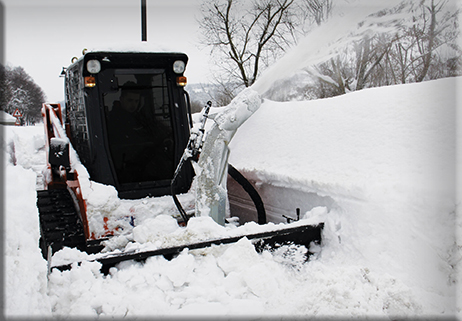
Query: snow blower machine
x=127, y=123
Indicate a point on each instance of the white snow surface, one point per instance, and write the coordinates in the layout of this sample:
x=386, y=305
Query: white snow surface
x=386, y=156
x=139, y=47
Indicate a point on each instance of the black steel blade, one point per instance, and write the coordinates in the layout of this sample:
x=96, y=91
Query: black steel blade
x=300, y=235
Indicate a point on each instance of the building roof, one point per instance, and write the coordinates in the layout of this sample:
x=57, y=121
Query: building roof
x=6, y=119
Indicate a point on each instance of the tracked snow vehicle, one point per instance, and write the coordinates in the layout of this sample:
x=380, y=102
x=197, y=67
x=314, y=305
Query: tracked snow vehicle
x=128, y=119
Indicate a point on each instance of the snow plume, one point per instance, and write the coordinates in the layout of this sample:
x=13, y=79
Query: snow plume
x=350, y=20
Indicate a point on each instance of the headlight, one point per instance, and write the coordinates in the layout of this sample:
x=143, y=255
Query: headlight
x=93, y=66
x=178, y=66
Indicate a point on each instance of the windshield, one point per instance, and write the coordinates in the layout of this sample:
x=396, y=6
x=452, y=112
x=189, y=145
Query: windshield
x=139, y=127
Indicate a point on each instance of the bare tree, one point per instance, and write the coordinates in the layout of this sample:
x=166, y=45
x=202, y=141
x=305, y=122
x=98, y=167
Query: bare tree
x=320, y=10
x=416, y=54
x=369, y=54
x=250, y=36
x=19, y=91
x=3, y=88
x=422, y=45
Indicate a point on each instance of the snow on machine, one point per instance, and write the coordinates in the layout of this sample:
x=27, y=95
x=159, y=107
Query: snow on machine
x=127, y=124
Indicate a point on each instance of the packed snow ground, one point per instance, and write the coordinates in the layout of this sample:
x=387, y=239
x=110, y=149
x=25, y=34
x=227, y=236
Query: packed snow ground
x=386, y=156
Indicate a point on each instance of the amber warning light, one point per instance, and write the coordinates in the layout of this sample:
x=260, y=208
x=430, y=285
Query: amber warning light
x=90, y=81
x=181, y=81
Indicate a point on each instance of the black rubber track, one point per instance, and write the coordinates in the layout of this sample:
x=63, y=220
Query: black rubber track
x=60, y=223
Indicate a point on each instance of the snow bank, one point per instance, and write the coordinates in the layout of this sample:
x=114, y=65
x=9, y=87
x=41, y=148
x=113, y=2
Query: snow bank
x=387, y=156
x=369, y=137
x=25, y=270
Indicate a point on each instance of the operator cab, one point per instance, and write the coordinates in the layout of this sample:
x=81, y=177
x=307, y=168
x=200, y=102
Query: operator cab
x=128, y=118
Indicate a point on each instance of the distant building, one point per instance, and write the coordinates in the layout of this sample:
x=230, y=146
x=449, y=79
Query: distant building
x=6, y=119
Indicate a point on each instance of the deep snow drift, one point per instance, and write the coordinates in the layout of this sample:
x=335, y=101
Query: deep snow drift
x=386, y=156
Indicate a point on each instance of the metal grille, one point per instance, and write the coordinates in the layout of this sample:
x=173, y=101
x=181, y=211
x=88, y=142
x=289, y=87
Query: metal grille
x=77, y=113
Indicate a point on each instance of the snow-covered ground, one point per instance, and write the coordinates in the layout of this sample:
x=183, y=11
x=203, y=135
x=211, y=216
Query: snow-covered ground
x=385, y=156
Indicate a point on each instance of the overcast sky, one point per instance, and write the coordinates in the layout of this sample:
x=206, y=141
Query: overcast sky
x=43, y=35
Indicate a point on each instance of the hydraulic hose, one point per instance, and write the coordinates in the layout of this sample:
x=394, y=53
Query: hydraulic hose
x=256, y=199
x=172, y=191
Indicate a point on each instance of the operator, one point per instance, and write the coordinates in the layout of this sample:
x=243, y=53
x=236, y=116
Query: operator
x=123, y=121
x=134, y=140
x=129, y=100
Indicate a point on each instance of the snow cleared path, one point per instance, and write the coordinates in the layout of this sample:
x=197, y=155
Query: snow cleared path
x=385, y=156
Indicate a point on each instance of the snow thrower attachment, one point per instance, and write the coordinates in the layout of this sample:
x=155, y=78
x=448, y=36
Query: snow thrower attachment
x=128, y=124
